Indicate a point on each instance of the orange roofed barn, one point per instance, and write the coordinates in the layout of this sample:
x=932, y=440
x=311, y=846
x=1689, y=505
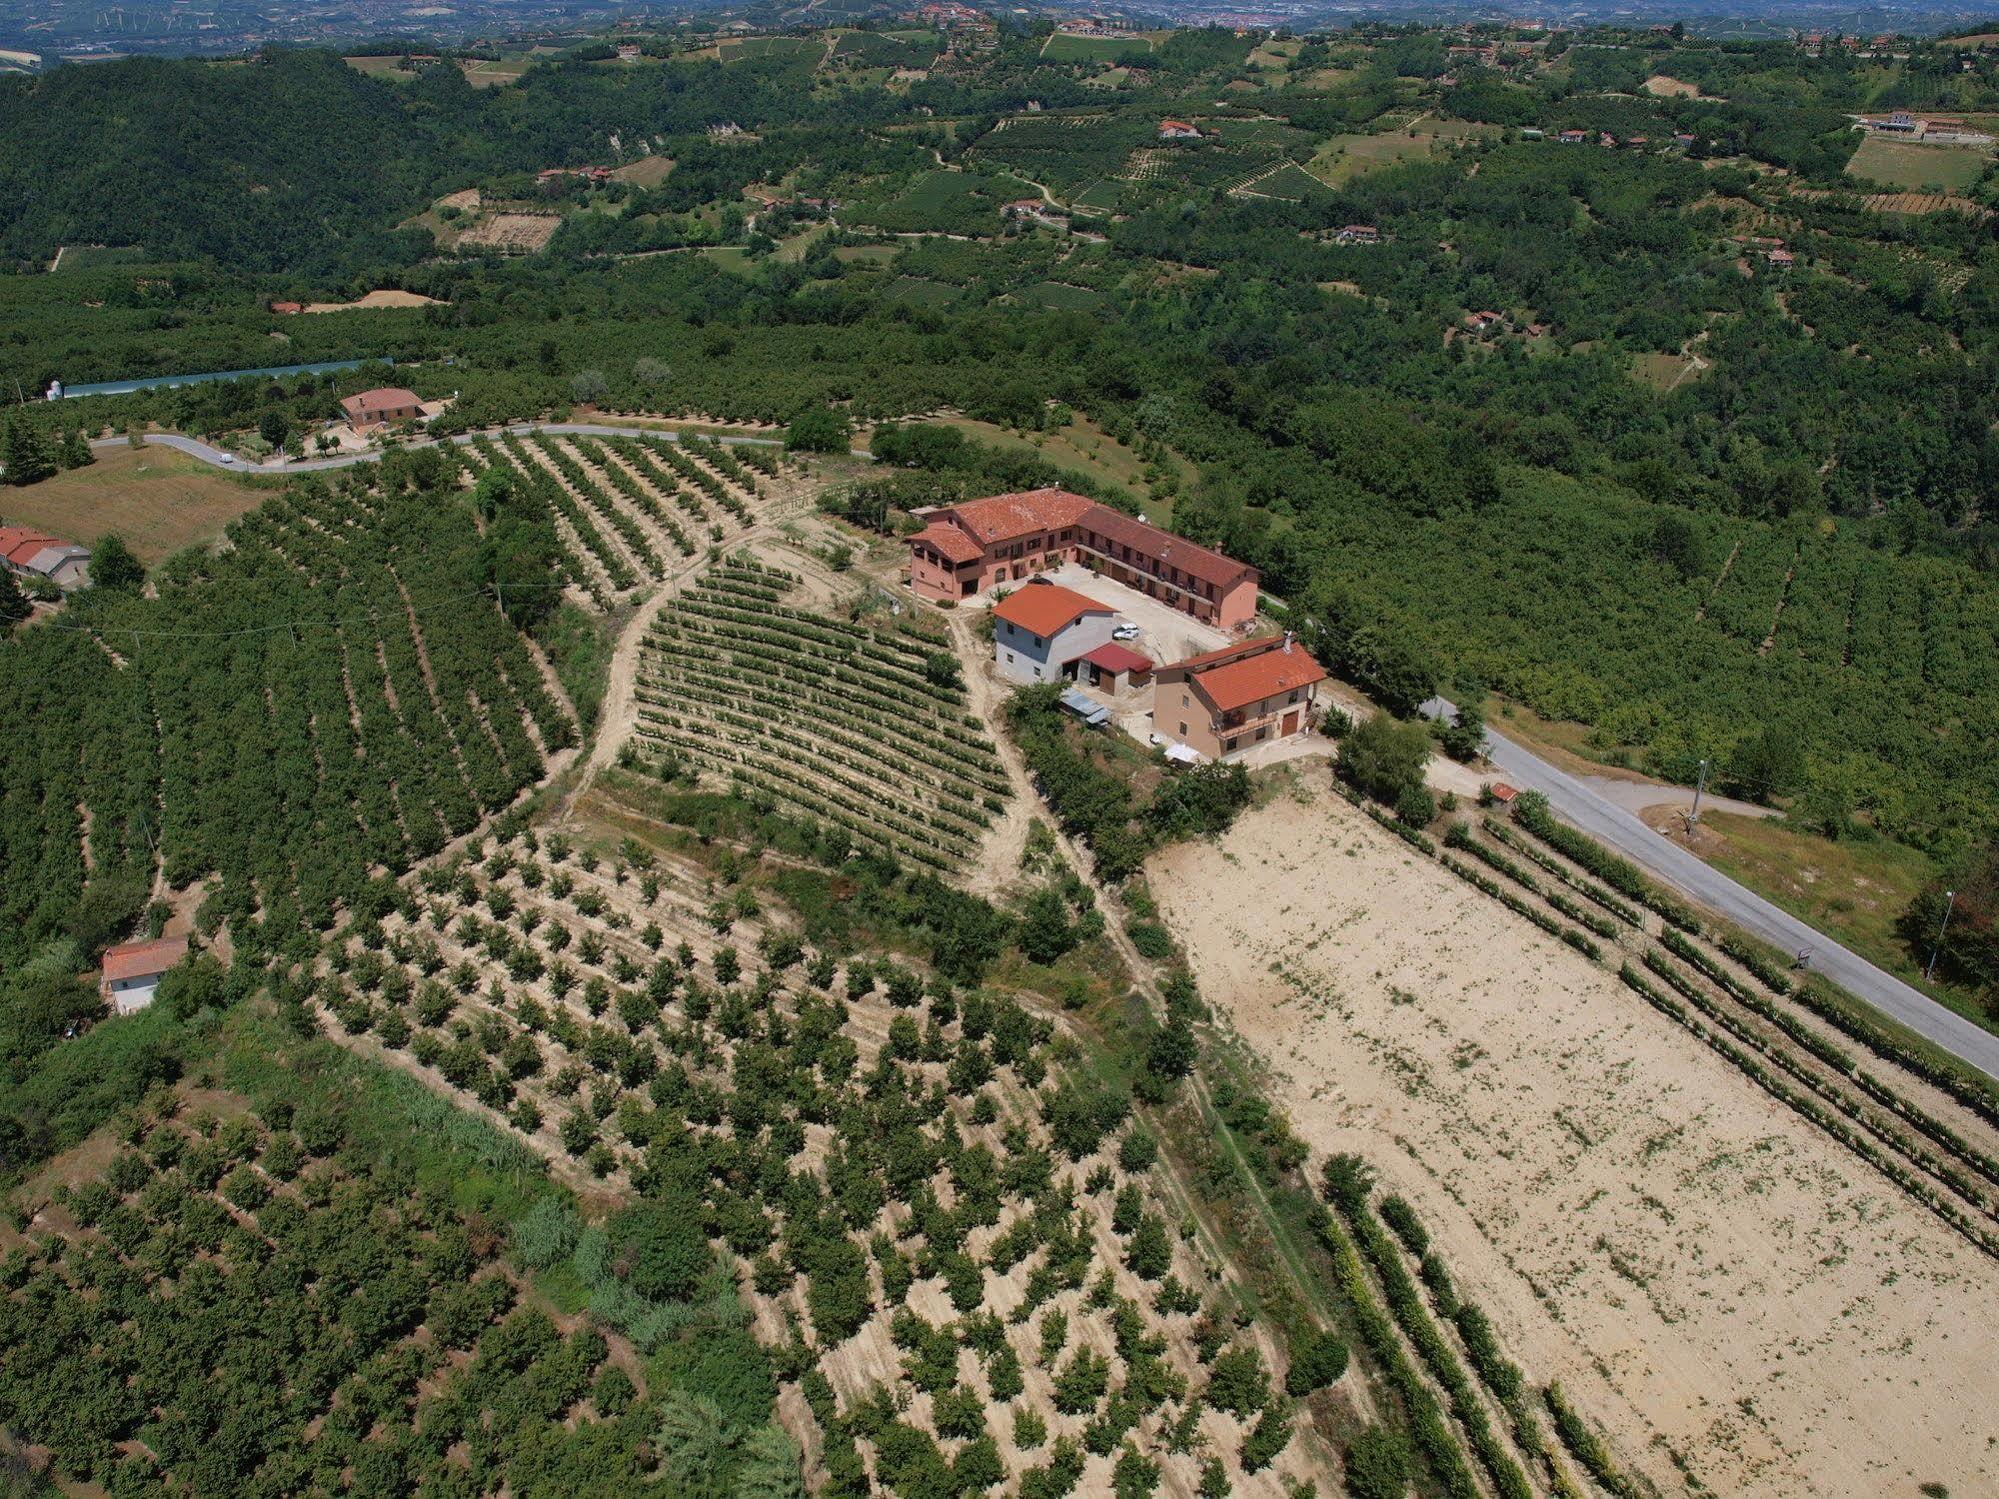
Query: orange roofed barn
x=379, y=408
x=1240, y=696
x=965, y=549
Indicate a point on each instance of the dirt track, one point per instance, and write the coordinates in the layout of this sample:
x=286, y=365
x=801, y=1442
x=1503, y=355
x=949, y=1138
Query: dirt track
x=1706, y=1274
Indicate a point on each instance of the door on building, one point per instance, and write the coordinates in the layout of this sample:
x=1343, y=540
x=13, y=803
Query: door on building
x=1291, y=722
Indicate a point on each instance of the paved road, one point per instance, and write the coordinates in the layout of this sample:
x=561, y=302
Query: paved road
x=194, y=447
x=1622, y=831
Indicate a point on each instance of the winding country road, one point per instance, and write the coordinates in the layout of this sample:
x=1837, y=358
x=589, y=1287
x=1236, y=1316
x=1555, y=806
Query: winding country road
x=1577, y=803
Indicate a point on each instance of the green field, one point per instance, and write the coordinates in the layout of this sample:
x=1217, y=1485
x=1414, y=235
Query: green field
x=1908, y=167
x=95, y=257
x=1061, y=294
x=1290, y=182
x=1345, y=157
x=1061, y=47
x=921, y=293
x=944, y=202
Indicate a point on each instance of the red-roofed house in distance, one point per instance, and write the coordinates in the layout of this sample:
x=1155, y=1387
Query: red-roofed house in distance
x=132, y=972
x=1040, y=631
x=967, y=548
x=28, y=553
x=1224, y=702
x=381, y=408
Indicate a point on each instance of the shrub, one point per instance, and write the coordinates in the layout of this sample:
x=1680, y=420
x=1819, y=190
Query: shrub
x=1377, y=1463
x=1318, y=1359
x=1238, y=1383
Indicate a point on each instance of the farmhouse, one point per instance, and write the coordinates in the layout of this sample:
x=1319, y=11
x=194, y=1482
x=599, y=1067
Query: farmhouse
x=1483, y=323
x=378, y=408
x=1177, y=130
x=1358, y=234
x=36, y=554
x=132, y=972
x=965, y=549
x=1043, y=629
x=1573, y=137
x=1227, y=701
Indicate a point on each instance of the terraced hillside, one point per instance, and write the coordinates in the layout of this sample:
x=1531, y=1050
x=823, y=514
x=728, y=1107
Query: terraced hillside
x=626, y=509
x=864, y=728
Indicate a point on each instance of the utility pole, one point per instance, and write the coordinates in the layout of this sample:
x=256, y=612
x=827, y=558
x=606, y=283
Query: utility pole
x=1699, y=786
x=1949, y=902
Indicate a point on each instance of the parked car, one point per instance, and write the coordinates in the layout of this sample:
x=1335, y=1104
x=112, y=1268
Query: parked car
x=1125, y=632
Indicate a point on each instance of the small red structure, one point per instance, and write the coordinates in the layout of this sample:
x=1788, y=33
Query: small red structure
x=287, y=309
x=1502, y=793
x=1116, y=668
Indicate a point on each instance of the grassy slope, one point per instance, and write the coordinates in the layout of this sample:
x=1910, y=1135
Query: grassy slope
x=157, y=499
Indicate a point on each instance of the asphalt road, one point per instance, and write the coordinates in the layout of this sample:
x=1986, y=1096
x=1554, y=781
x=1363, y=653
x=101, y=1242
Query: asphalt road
x=1621, y=830
x=194, y=447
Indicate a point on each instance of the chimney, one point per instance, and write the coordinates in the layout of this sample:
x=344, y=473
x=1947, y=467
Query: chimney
x=1287, y=642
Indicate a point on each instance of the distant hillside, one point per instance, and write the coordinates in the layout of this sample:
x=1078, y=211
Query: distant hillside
x=276, y=164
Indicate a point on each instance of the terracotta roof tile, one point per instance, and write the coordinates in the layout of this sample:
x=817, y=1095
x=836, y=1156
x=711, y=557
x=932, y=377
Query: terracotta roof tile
x=1163, y=546
x=1006, y=517
x=1237, y=684
x=136, y=959
x=954, y=544
x=1045, y=608
x=1114, y=657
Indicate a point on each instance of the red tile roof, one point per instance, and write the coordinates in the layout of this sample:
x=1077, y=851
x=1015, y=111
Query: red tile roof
x=954, y=544
x=1193, y=664
x=1114, y=657
x=1044, y=608
x=1237, y=684
x=1165, y=547
x=138, y=959
x=1006, y=517
x=18, y=544
x=389, y=398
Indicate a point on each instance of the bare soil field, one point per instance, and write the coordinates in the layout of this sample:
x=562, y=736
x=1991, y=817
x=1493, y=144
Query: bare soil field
x=1711, y=1277
x=512, y=233
x=375, y=300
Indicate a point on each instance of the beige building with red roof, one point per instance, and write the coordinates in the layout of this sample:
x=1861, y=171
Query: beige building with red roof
x=381, y=408
x=967, y=548
x=1228, y=701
